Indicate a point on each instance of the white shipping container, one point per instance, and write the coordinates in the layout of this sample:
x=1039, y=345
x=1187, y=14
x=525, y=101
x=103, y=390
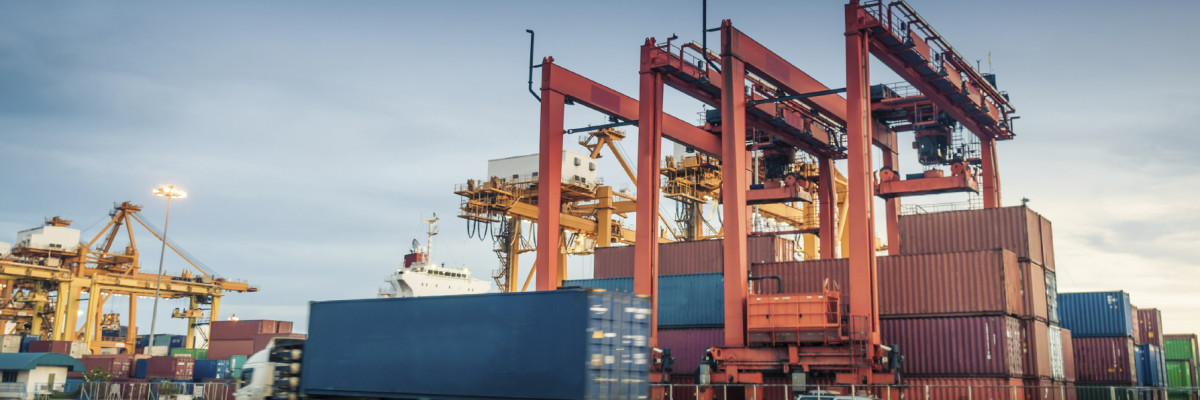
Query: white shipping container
x=157, y=350
x=78, y=349
x=1057, y=371
x=110, y=351
x=50, y=238
x=10, y=344
x=576, y=168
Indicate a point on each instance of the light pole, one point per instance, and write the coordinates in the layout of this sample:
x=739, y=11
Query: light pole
x=170, y=192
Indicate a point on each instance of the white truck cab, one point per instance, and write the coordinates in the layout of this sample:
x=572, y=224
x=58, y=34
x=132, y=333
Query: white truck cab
x=255, y=377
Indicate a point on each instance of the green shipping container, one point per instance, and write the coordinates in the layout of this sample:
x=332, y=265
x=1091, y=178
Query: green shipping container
x=1181, y=347
x=235, y=366
x=1179, y=374
x=198, y=354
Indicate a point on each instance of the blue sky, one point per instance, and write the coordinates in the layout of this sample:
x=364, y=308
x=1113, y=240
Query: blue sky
x=313, y=135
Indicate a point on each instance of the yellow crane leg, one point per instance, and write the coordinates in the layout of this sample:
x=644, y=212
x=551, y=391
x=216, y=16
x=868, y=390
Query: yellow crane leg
x=92, y=308
x=73, y=304
x=60, y=310
x=216, y=308
x=189, y=339
x=529, y=278
x=131, y=334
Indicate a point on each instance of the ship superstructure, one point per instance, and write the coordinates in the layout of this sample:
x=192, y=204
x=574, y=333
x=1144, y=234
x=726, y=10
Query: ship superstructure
x=420, y=276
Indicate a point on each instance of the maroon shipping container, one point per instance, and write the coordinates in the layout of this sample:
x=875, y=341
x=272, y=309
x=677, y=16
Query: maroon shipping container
x=50, y=346
x=171, y=367
x=957, y=388
x=1034, y=285
x=957, y=346
x=240, y=330
x=1068, y=349
x=1108, y=360
x=949, y=284
x=261, y=341
x=218, y=349
x=1137, y=329
x=688, y=345
x=117, y=365
x=694, y=257
x=1035, y=345
x=1017, y=229
x=131, y=389
x=1043, y=389
x=1047, y=244
x=963, y=284
x=283, y=327
x=1150, y=327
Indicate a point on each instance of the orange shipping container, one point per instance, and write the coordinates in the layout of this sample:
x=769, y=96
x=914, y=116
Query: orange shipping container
x=1035, y=345
x=1068, y=349
x=1017, y=229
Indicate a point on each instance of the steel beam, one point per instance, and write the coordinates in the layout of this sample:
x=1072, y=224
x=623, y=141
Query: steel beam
x=733, y=193
x=550, y=148
x=990, y=173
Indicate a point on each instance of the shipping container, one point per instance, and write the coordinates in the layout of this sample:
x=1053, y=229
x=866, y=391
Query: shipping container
x=10, y=343
x=73, y=349
x=688, y=300
x=131, y=388
x=1047, y=234
x=1150, y=327
x=1151, y=366
x=1043, y=389
x=262, y=340
x=1096, y=314
x=1181, y=347
x=952, y=284
x=957, y=346
x=283, y=327
x=119, y=366
x=689, y=345
x=1180, y=374
x=1017, y=229
x=691, y=257
x=139, y=367
x=26, y=339
x=1137, y=332
x=958, y=388
x=1057, y=372
x=228, y=348
x=1035, y=346
x=1034, y=279
x=169, y=367
x=1108, y=360
x=240, y=330
x=589, y=344
x=1052, y=297
x=1068, y=348
x=198, y=354
x=203, y=370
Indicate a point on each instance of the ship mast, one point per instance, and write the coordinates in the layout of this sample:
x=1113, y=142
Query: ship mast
x=432, y=222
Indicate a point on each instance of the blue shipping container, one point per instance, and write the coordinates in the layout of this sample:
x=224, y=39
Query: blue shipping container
x=563, y=344
x=684, y=301
x=210, y=369
x=139, y=368
x=176, y=341
x=1096, y=314
x=1152, y=366
x=26, y=339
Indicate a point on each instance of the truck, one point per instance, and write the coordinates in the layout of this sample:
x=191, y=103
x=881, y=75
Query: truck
x=563, y=344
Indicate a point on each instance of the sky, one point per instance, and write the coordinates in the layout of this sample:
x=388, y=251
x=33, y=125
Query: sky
x=312, y=136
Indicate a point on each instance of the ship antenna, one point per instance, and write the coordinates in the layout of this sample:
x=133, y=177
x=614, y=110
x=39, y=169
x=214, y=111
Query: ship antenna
x=433, y=230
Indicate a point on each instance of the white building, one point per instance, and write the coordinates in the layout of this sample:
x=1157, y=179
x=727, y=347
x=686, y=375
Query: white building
x=25, y=375
x=50, y=238
x=577, y=168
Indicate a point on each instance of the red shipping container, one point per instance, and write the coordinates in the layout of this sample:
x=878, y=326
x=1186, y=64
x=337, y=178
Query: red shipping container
x=218, y=349
x=283, y=327
x=1043, y=389
x=131, y=389
x=966, y=284
x=240, y=330
x=1068, y=349
x=1017, y=229
x=1035, y=345
x=1137, y=328
x=1034, y=286
x=1047, y=234
x=693, y=257
x=117, y=365
x=171, y=367
x=688, y=345
x=1107, y=360
x=1150, y=327
x=957, y=389
x=957, y=346
x=50, y=346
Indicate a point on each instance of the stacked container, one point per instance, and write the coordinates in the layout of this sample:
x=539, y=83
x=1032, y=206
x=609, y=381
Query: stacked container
x=1182, y=356
x=73, y=349
x=243, y=338
x=1102, y=330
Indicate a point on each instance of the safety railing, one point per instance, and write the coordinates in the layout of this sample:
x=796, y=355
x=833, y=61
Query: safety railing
x=164, y=390
x=689, y=391
x=913, y=209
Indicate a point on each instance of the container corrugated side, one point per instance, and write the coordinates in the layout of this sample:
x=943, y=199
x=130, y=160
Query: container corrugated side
x=1179, y=374
x=1056, y=354
x=686, y=300
x=689, y=345
x=1180, y=347
x=1035, y=345
x=1014, y=228
x=1135, y=325
x=1047, y=234
x=1034, y=279
x=1150, y=327
x=691, y=257
x=589, y=344
x=1052, y=296
x=1096, y=314
x=1105, y=360
x=1068, y=348
x=957, y=346
x=958, y=388
x=1152, y=366
x=1042, y=389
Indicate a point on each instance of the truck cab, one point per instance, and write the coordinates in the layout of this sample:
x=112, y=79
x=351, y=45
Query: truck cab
x=277, y=364
x=253, y=382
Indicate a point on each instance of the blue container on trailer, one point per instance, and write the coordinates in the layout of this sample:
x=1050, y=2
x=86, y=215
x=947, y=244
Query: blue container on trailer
x=1153, y=365
x=562, y=344
x=139, y=368
x=1096, y=314
x=687, y=300
x=26, y=339
x=210, y=369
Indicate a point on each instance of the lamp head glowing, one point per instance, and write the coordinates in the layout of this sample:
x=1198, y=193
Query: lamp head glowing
x=170, y=191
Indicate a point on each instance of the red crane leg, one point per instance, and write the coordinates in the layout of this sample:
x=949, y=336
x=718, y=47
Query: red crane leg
x=892, y=160
x=990, y=175
x=733, y=195
x=550, y=149
x=645, y=253
x=827, y=195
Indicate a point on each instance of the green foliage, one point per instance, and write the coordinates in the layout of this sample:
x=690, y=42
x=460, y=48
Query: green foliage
x=97, y=375
x=167, y=389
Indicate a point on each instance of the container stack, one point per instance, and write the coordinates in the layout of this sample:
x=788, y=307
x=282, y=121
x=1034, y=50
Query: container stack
x=1102, y=330
x=1152, y=364
x=1182, y=357
x=243, y=338
x=73, y=349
